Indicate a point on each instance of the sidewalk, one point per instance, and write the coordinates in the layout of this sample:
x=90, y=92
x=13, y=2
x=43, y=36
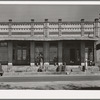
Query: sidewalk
x=75, y=71
x=49, y=85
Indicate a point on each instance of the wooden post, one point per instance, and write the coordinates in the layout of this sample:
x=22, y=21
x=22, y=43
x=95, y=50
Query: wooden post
x=46, y=53
x=82, y=52
x=60, y=52
x=32, y=55
x=10, y=53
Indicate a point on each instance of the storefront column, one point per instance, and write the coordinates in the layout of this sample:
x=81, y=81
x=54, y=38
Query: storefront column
x=82, y=27
x=32, y=54
x=82, y=52
x=46, y=53
x=60, y=52
x=10, y=53
x=95, y=55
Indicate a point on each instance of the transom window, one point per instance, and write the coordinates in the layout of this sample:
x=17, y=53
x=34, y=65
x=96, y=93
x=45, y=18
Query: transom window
x=3, y=44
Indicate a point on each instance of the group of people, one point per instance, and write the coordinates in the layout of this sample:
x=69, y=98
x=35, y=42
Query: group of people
x=39, y=60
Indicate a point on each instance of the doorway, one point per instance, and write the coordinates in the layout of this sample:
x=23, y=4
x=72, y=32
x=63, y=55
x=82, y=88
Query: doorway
x=71, y=53
x=72, y=56
x=21, y=53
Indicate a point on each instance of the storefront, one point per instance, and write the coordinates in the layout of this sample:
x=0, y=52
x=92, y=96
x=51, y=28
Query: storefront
x=69, y=52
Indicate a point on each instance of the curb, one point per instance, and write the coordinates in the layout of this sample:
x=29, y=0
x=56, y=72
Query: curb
x=9, y=74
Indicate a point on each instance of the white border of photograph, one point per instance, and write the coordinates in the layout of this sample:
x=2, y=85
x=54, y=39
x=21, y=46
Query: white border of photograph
x=50, y=94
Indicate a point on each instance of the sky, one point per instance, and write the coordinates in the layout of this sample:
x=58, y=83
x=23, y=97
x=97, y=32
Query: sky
x=51, y=12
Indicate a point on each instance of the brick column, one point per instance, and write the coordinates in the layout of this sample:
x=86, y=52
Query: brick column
x=10, y=53
x=46, y=32
x=96, y=28
x=32, y=53
x=82, y=52
x=82, y=27
x=59, y=26
x=32, y=27
x=95, y=55
x=10, y=24
x=60, y=52
x=46, y=53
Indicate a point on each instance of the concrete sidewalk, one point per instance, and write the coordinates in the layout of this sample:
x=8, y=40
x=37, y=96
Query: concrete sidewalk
x=20, y=71
x=75, y=72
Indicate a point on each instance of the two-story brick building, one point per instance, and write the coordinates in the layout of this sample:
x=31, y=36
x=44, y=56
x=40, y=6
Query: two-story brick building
x=68, y=42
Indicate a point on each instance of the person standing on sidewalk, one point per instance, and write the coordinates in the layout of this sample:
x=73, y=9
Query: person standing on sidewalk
x=41, y=60
x=55, y=61
x=92, y=64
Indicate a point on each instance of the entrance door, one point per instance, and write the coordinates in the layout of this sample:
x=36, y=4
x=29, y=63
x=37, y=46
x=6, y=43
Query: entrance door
x=71, y=53
x=21, y=54
x=74, y=56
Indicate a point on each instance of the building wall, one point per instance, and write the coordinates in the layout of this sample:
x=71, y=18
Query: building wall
x=50, y=31
x=84, y=32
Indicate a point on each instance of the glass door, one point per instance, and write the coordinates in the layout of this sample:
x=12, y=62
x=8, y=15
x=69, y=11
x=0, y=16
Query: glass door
x=21, y=53
x=22, y=56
